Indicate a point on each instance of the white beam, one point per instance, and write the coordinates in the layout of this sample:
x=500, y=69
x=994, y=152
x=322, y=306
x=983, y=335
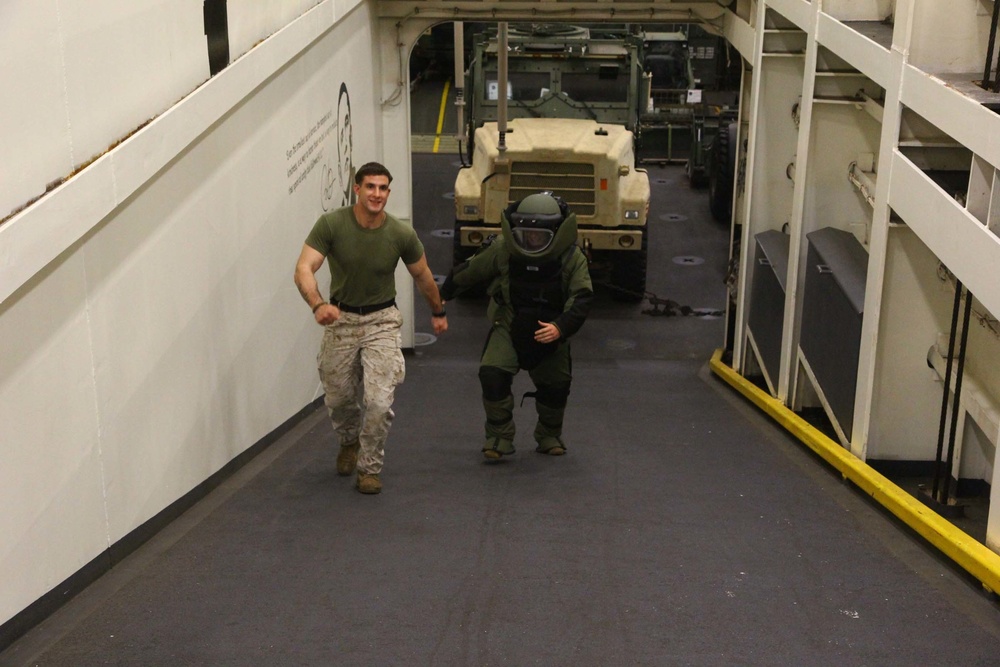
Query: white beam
x=863, y=54
x=964, y=244
x=961, y=117
x=799, y=12
x=740, y=35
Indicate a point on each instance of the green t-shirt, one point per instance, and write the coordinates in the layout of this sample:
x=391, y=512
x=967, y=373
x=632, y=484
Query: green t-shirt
x=363, y=261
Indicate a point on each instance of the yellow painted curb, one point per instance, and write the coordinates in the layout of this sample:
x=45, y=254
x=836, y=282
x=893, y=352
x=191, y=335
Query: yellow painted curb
x=971, y=555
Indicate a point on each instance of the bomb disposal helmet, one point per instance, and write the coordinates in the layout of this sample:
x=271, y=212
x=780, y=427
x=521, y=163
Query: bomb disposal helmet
x=539, y=226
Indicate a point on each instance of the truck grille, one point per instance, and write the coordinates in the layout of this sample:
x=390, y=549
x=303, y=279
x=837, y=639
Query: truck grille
x=573, y=182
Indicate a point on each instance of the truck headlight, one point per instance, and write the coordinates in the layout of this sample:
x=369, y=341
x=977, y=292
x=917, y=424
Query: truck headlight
x=631, y=214
x=470, y=210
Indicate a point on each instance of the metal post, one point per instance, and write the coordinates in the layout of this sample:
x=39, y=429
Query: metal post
x=958, y=394
x=502, y=87
x=459, y=47
x=989, y=50
x=947, y=388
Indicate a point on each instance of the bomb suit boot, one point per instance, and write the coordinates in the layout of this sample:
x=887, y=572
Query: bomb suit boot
x=550, y=404
x=498, y=403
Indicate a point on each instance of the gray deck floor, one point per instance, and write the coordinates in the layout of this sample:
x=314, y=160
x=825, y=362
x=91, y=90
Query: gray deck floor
x=683, y=527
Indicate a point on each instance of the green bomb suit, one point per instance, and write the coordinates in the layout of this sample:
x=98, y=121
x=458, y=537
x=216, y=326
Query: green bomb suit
x=525, y=288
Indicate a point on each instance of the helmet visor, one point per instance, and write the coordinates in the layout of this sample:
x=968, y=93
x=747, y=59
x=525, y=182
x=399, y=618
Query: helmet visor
x=533, y=240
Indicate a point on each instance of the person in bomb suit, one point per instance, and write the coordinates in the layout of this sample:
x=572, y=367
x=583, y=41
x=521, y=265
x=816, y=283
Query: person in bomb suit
x=540, y=294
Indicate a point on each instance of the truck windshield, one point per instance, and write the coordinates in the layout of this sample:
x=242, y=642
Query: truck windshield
x=591, y=87
x=579, y=86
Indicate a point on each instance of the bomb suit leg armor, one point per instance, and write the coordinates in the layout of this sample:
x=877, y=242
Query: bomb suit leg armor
x=497, y=368
x=552, y=381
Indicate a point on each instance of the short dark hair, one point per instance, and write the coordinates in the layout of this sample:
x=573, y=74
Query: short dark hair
x=371, y=169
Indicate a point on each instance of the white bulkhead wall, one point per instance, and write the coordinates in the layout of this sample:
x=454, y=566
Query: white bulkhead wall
x=75, y=81
x=950, y=36
x=151, y=329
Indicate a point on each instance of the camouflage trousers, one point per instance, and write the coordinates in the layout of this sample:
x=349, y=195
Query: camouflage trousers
x=360, y=366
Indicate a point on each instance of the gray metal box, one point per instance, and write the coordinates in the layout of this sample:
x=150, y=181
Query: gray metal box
x=767, y=299
x=832, y=311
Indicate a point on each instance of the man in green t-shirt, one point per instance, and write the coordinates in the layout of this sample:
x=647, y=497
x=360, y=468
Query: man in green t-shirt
x=360, y=361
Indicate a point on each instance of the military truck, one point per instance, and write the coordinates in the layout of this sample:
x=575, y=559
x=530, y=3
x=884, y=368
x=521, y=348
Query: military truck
x=694, y=88
x=557, y=71
x=573, y=103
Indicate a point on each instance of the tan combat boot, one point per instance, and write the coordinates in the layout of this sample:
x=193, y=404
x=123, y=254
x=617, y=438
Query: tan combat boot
x=368, y=483
x=347, y=459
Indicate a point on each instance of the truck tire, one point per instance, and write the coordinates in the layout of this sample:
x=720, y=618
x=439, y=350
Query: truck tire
x=720, y=176
x=628, y=273
x=697, y=175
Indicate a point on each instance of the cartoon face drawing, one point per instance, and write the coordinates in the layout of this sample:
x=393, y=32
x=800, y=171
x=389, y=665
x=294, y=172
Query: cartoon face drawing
x=328, y=185
x=345, y=146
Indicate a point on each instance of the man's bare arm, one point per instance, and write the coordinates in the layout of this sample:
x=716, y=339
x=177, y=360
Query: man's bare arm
x=310, y=260
x=422, y=275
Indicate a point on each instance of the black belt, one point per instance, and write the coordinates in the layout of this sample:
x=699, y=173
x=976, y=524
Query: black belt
x=365, y=310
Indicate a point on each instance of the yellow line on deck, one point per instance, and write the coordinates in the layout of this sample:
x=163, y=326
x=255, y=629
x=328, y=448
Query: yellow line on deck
x=977, y=559
x=444, y=103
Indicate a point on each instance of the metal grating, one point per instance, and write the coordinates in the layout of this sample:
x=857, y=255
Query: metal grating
x=574, y=182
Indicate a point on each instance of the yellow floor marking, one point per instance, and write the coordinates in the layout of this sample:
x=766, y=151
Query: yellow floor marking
x=444, y=103
x=977, y=559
